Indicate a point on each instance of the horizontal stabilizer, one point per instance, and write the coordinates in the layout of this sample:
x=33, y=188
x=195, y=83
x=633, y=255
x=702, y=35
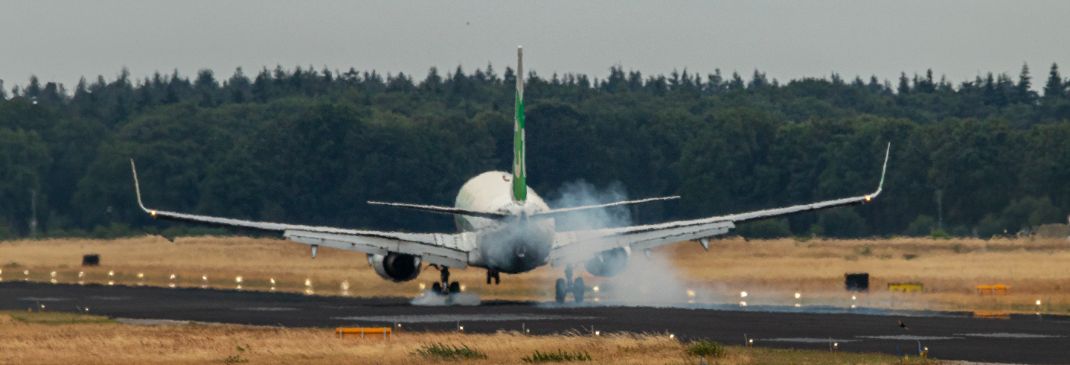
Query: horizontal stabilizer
x=442, y=210
x=562, y=211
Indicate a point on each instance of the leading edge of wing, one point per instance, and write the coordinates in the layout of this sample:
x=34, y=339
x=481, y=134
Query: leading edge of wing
x=231, y=222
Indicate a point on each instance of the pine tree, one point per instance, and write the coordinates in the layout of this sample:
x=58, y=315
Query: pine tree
x=33, y=90
x=1024, y=88
x=989, y=91
x=874, y=84
x=262, y=85
x=616, y=81
x=758, y=81
x=52, y=93
x=458, y=83
x=736, y=84
x=177, y=88
x=400, y=83
x=944, y=85
x=144, y=95
x=904, y=84
x=240, y=87
x=82, y=100
x=433, y=82
x=1054, y=88
x=714, y=82
x=927, y=84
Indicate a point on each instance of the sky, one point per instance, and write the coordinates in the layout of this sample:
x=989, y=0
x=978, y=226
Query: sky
x=65, y=40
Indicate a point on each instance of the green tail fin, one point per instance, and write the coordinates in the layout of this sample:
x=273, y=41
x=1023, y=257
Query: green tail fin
x=520, y=174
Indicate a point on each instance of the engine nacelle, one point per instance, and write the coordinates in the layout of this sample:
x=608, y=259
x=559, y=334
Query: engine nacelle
x=395, y=267
x=609, y=262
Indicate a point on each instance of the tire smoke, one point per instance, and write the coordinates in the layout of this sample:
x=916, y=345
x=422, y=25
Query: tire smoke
x=647, y=280
x=579, y=193
x=431, y=299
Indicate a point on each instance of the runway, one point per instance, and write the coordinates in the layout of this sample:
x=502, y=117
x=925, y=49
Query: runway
x=957, y=336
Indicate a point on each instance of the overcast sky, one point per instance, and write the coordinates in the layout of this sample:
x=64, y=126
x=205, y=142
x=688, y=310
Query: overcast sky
x=63, y=40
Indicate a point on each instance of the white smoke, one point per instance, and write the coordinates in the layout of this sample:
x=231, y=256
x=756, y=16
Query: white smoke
x=652, y=280
x=428, y=298
x=580, y=193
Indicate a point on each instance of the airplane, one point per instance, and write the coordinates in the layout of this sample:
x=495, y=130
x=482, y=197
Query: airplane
x=506, y=227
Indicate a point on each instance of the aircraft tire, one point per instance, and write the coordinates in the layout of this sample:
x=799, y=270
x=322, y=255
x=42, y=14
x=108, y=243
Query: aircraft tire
x=578, y=290
x=560, y=291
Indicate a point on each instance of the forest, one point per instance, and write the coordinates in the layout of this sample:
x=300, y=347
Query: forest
x=981, y=157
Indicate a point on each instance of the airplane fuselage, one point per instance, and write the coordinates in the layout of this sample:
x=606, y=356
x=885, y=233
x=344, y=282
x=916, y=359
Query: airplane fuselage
x=511, y=245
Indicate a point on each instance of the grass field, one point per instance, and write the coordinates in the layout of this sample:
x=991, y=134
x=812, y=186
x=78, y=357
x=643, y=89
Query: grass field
x=51, y=338
x=771, y=271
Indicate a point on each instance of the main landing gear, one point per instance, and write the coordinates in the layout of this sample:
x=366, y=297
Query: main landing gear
x=567, y=285
x=445, y=287
x=495, y=276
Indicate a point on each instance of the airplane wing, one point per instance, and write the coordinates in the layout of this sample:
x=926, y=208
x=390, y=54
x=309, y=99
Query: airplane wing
x=578, y=246
x=450, y=250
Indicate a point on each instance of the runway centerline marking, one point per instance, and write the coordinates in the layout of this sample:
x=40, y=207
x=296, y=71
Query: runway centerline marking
x=44, y=299
x=1026, y=336
x=101, y=297
x=912, y=338
x=266, y=309
x=805, y=340
x=444, y=318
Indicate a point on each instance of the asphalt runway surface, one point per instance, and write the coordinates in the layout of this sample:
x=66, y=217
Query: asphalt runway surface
x=958, y=336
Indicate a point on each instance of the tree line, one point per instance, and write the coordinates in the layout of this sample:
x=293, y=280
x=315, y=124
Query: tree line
x=976, y=158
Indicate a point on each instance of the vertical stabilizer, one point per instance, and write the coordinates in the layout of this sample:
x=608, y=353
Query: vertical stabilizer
x=520, y=173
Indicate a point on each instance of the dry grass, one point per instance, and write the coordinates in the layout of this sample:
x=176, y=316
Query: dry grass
x=771, y=271
x=949, y=269
x=31, y=339
x=222, y=259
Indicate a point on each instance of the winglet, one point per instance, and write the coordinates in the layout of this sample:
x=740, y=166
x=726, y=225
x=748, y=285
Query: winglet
x=137, y=190
x=884, y=170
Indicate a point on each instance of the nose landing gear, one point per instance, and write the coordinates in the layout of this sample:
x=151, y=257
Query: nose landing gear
x=495, y=276
x=567, y=285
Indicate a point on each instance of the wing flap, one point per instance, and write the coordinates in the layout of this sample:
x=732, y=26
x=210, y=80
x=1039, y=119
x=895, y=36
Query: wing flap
x=448, y=250
x=589, y=243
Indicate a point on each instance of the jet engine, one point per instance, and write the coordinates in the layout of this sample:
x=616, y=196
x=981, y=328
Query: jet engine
x=609, y=262
x=395, y=267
